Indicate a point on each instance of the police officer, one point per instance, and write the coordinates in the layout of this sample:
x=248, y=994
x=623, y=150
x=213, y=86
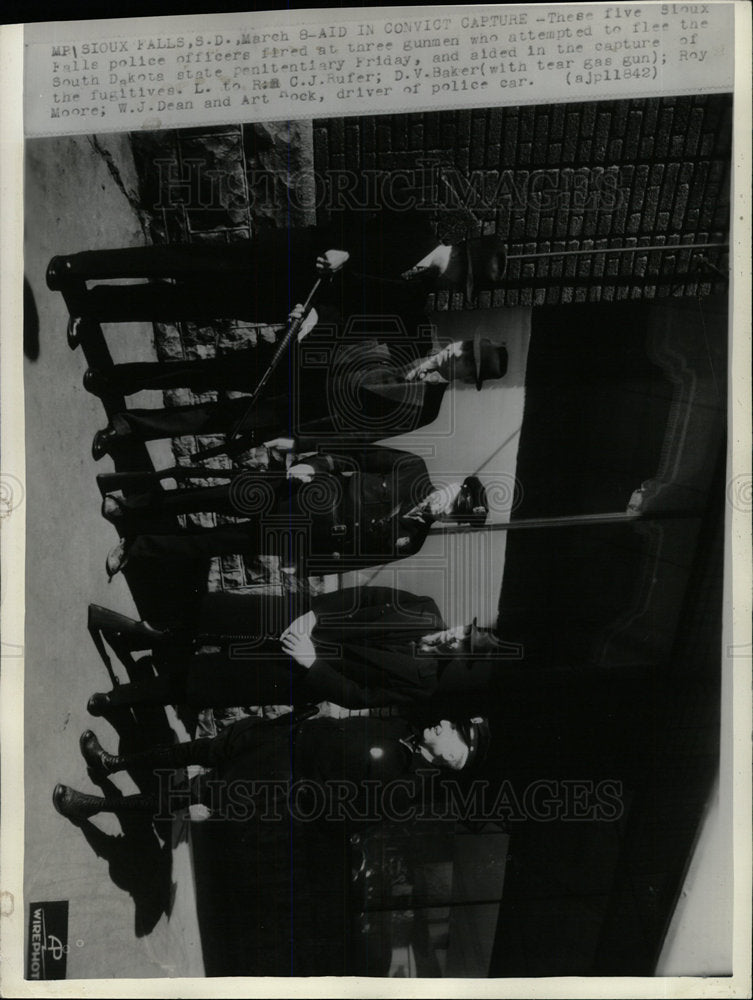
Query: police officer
x=322, y=751
x=328, y=513
x=357, y=647
x=361, y=387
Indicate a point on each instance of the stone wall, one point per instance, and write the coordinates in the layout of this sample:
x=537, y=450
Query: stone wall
x=201, y=186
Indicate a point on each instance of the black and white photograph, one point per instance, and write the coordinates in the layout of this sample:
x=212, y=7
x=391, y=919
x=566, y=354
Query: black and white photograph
x=377, y=474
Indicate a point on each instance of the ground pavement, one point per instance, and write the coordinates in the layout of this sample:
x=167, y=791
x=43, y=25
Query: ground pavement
x=131, y=896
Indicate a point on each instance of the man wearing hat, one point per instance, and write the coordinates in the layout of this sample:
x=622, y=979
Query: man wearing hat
x=366, y=392
x=330, y=512
x=473, y=265
x=476, y=361
x=358, y=647
x=273, y=271
x=359, y=752
x=375, y=275
x=361, y=372
x=287, y=800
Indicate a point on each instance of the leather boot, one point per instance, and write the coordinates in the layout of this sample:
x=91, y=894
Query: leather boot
x=153, y=691
x=123, y=631
x=78, y=806
x=101, y=763
x=96, y=382
x=104, y=442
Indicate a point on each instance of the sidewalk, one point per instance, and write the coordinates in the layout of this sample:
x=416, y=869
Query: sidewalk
x=132, y=908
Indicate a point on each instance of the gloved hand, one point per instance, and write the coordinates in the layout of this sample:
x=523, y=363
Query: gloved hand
x=331, y=261
x=309, y=323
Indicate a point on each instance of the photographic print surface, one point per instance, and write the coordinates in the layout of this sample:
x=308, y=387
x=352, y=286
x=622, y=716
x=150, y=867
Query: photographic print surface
x=376, y=471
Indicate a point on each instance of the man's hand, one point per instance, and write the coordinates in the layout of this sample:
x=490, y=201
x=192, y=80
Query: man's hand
x=300, y=647
x=424, y=373
x=331, y=262
x=329, y=710
x=302, y=472
x=309, y=323
x=436, y=367
x=433, y=639
x=303, y=625
x=281, y=445
x=281, y=449
x=446, y=637
x=296, y=639
x=421, y=370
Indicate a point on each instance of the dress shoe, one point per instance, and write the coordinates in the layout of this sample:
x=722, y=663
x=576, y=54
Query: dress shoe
x=99, y=762
x=75, y=805
x=117, y=559
x=102, y=764
x=103, y=441
x=122, y=630
x=98, y=705
x=96, y=382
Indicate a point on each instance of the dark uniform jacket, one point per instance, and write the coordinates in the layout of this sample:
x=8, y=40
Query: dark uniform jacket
x=364, y=640
x=366, y=396
x=319, y=750
x=344, y=378
x=355, y=749
x=259, y=280
x=361, y=508
x=293, y=796
x=329, y=391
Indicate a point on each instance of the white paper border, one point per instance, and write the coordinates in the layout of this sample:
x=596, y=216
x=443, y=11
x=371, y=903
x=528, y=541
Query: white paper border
x=737, y=631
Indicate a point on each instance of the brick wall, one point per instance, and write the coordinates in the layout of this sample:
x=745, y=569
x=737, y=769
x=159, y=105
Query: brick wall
x=575, y=177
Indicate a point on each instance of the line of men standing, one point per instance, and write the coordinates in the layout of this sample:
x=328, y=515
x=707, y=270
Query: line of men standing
x=332, y=499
